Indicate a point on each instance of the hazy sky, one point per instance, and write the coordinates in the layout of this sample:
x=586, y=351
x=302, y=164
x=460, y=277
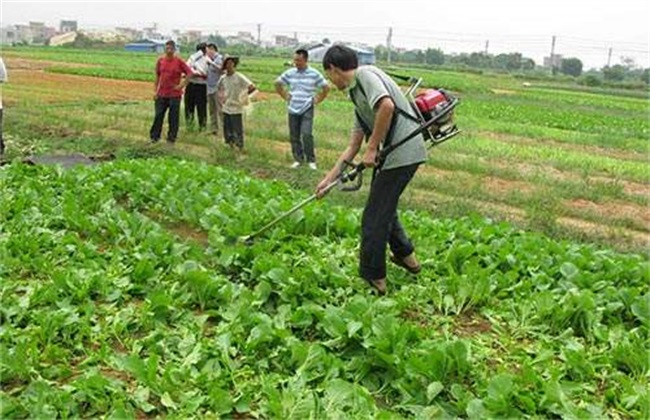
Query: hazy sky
x=584, y=28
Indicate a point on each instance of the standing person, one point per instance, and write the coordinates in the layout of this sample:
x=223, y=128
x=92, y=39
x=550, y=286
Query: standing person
x=171, y=77
x=196, y=94
x=378, y=104
x=215, y=63
x=303, y=82
x=233, y=88
x=3, y=79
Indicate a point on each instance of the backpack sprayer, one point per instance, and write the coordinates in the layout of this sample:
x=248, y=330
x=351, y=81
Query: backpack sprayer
x=434, y=110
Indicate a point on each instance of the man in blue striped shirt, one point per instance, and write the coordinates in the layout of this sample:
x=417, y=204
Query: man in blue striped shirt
x=303, y=83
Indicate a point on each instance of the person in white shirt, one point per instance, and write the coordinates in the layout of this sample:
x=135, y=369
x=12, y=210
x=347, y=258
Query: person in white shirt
x=233, y=90
x=196, y=95
x=215, y=63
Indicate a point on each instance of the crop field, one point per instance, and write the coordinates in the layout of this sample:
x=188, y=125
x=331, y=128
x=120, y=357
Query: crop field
x=123, y=296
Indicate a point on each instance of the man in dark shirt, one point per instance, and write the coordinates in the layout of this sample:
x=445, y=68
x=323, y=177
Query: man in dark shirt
x=171, y=78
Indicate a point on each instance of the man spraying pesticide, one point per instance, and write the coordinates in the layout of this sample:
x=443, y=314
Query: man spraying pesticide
x=376, y=97
x=396, y=130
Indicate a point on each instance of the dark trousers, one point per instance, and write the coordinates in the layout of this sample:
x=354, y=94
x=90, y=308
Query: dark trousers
x=380, y=224
x=300, y=133
x=161, y=105
x=233, y=129
x=196, y=97
x=2, y=142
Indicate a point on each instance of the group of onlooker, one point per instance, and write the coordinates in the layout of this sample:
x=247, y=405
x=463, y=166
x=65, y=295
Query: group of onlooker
x=212, y=84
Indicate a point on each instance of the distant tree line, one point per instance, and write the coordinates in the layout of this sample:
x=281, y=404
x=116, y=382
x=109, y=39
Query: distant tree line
x=626, y=74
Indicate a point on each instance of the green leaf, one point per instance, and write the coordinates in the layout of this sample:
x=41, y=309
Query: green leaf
x=121, y=413
x=501, y=386
x=277, y=274
x=476, y=410
x=433, y=390
x=353, y=327
x=641, y=309
x=340, y=394
x=333, y=323
x=568, y=270
x=167, y=401
x=141, y=397
x=221, y=401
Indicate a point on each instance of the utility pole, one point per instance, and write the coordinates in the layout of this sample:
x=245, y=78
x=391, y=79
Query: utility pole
x=487, y=44
x=259, y=34
x=389, y=40
x=609, y=57
x=552, y=58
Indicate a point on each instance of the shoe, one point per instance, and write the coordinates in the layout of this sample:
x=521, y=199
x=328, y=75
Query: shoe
x=313, y=166
x=154, y=141
x=378, y=285
x=294, y=165
x=413, y=270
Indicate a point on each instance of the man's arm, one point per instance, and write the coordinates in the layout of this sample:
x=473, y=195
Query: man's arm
x=322, y=95
x=157, y=81
x=279, y=88
x=383, y=117
x=221, y=94
x=3, y=71
x=187, y=72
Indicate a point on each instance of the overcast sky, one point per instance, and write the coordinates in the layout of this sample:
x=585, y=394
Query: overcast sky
x=584, y=28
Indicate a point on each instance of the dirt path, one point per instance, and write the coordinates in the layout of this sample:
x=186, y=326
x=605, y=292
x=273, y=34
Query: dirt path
x=52, y=88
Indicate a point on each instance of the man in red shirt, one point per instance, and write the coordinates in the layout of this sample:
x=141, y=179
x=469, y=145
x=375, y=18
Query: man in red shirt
x=168, y=91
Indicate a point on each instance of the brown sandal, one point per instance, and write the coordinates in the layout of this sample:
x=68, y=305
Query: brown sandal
x=379, y=288
x=401, y=263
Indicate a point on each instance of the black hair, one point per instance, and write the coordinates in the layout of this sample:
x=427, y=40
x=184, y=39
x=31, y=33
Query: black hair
x=303, y=52
x=171, y=42
x=201, y=46
x=342, y=57
x=235, y=61
x=213, y=46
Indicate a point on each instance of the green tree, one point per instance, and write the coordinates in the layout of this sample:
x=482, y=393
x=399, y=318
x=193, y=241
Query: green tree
x=218, y=40
x=614, y=73
x=434, y=56
x=411, y=56
x=571, y=66
x=645, y=76
x=381, y=53
x=528, y=64
x=509, y=62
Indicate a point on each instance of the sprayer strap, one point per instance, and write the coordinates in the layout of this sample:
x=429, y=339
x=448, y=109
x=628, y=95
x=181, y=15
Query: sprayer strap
x=386, y=146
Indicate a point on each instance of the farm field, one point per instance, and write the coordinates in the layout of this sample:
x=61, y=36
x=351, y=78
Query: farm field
x=570, y=164
x=122, y=295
